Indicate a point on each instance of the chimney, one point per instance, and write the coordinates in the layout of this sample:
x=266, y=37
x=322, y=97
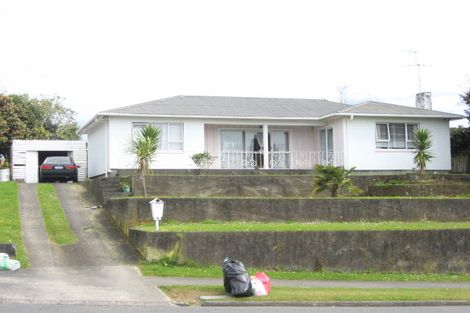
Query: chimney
x=423, y=100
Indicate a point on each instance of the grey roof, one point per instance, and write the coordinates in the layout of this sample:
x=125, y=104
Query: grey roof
x=265, y=108
x=232, y=107
x=387, y=109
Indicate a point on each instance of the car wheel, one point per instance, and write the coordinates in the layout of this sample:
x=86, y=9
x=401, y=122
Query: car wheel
x=75, y=179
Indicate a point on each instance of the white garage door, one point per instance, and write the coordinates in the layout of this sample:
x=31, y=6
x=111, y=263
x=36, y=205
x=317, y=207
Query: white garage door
x=31, y=167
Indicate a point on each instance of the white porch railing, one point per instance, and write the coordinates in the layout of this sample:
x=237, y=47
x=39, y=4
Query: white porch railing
x=278, y=159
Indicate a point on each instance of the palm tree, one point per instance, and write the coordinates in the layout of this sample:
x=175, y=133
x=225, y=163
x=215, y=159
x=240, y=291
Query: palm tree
x=422, y=149
x=332, y=178
x=143, y=148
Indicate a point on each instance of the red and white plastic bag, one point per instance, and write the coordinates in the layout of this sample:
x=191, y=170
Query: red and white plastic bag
x=261, y=284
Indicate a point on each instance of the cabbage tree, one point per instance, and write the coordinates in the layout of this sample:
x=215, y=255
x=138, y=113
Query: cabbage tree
x=422, y=149
x=143, y=148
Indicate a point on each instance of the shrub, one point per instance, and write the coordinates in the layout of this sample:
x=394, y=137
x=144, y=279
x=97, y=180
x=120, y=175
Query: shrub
x=329, y=177
x=203, y=159
x=5, y=164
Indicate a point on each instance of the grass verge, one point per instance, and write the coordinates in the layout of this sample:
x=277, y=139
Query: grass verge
x=10, y=230
x=57, y=225
x=238, y=226
x=166, y=268
x=191, y=294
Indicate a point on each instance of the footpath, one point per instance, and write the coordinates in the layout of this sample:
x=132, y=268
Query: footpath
x=228, y=301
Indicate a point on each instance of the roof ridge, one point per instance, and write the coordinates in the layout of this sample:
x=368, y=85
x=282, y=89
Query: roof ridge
x=352, y=106
x=256, y=97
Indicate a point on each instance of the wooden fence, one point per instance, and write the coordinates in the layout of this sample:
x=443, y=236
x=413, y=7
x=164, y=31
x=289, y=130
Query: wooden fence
x=461, y=163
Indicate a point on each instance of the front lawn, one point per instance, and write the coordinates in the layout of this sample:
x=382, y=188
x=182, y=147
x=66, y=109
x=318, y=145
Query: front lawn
x=237, y=226
x=57, y=225
x=168, y=268
x=10, y=224
x=191, y=294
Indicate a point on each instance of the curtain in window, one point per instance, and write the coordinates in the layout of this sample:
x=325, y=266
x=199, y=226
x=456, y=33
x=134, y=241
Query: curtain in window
x=381, y=131
x=163, y=143
x=323, y=140
x=175, y=137
x=397, y=136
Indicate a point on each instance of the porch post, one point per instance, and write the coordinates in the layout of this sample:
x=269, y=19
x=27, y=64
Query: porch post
x=266, y=146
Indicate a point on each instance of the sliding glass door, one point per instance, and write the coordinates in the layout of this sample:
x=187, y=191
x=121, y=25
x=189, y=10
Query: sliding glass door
x=244, y=149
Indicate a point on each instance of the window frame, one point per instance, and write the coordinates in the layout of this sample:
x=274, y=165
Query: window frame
x=408, y=142
x=164, y=146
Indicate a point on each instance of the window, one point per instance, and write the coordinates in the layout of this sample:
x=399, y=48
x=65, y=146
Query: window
x=326, y=145
x=394, y=135
x=171, y=135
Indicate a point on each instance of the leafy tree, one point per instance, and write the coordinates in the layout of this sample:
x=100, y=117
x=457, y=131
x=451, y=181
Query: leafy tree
x=13, y=122
x=143, y=148
x=332, y=178
x=466, y=99
x=460, y=140
x=422, y=148
x=23, y=117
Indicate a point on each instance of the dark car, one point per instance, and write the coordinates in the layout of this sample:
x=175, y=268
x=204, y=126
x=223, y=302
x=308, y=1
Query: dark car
x=58, y=168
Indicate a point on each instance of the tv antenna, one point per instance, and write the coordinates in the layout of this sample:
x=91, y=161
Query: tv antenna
x=418, y=66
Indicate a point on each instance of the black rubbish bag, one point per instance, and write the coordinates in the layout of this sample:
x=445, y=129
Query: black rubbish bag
x=236, y=279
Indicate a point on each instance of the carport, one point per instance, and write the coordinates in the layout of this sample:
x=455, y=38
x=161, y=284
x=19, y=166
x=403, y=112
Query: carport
x=27, y=155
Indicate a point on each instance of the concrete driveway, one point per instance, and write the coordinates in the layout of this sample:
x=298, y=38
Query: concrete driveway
x=99, y=269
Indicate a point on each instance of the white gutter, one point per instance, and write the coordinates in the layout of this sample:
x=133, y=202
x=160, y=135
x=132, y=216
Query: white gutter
x=350, y=115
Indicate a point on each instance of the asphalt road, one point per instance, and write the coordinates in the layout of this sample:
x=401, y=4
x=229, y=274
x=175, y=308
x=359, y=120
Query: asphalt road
x=28, y=308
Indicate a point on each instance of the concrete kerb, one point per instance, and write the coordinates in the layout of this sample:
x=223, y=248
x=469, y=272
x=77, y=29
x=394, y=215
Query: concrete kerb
x=333, y=303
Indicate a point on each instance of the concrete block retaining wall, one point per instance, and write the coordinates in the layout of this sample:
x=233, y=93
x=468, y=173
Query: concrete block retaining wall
x=410, y=251
x=444, y=189
x=248, y=185
x=129, y=212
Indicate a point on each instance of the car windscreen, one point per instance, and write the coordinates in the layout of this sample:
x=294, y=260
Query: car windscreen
x=57, y=160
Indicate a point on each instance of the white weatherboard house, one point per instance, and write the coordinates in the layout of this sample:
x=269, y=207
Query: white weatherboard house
x=269, y=133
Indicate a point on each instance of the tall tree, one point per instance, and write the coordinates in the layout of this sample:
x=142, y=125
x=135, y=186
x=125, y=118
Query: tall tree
x=24, y=117
x=466, y=99
x=13, y=121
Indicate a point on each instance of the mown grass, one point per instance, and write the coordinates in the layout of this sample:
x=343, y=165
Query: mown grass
x=190, y=294
x=10, y=224
x=316, y=197
x=57, y=225
x=167, y=268
x=239, y=226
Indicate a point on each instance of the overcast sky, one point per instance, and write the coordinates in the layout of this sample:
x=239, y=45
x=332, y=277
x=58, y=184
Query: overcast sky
x=104, y=54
